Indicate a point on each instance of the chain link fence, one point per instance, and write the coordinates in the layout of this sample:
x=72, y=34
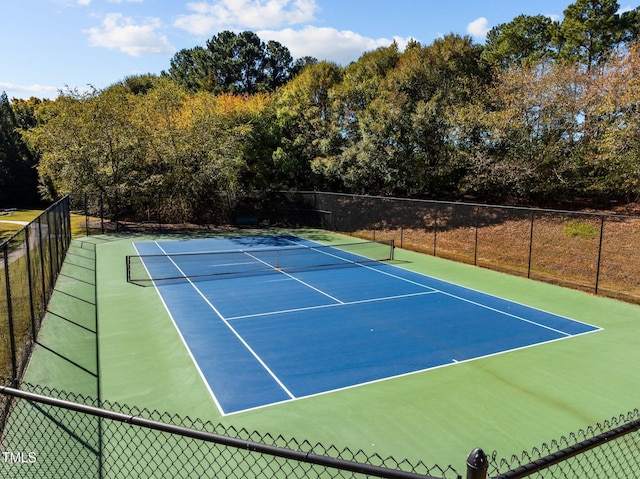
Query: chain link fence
x=593, y=252
x=588, y=251
x=29, y=264
x=49, y=433
x=608, y=450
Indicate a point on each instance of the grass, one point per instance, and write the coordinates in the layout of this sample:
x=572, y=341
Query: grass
x=581, y=229
x=22, y=298
x=8, y=229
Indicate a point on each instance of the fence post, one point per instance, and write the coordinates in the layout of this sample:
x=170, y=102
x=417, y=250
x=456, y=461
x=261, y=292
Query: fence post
x=530, y=244
x=599, y=253
x=56, y=238
x=435, y=229
x=86, y=214
x=27, y=241
x=42, y=265
x=477, y=464
x=102, y=214
x=12, y=339
x=475, y=248
x=51, y=255
x=67, y=223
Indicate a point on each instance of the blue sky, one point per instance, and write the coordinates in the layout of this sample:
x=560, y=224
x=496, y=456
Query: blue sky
x=49, y=45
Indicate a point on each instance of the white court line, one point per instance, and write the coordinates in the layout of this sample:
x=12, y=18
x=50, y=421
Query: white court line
x=323, y=306
x=294, y=278
x=224, y=320
x=184, y=341
x=431, y=291
x=367, y=266
x=499, y=311
x=406, y=374
x=535, y=323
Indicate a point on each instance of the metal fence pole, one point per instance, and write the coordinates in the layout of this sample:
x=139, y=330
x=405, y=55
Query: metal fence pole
x=116, y=208
x=530, y=244
x=27, y=241
x=101, y=214
x=475, y=248
x=66, y=213
x=42, y=270
x=599, y=254
x=12, y=339
x=435, y=229
x=477, y=464
x=55, y=241
x=86, y=215
x=51, y=271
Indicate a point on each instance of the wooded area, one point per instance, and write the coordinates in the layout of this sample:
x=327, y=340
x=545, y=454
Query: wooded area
x=545, y=110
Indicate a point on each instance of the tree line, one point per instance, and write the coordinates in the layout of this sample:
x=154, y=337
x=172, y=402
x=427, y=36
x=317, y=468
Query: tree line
x=543, y=110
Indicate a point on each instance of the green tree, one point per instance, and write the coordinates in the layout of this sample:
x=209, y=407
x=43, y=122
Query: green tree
x=631, y=25
x=306, y=119
x=191, y=70
x=18, y=179
x=361, y=85
x=525, y=39
x=398, y=129
x=87, y=144
x=139, y=84
x=277, y=65
x=233, y=63
x=590, y=30
x=195, y=145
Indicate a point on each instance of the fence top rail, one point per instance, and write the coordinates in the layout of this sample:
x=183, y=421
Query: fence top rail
x=286, y=453
x=480, y=205
x=35, y=220
x=570, y=451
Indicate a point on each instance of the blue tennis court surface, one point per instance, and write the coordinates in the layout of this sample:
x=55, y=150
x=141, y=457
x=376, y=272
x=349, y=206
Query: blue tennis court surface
x=268, y=335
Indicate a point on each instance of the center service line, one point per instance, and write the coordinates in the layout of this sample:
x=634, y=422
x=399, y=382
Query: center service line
x=293, y=277
x=246, y=345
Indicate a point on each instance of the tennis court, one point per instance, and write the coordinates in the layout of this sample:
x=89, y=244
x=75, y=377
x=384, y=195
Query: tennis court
x=512, y=388
x=272, y=319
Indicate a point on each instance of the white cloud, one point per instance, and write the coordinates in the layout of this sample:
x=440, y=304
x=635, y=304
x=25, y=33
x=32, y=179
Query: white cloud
x=210, y=17
x=26, y=91
x=121, y=33
x=72, y=3
x=329, y=44
x=478, y=28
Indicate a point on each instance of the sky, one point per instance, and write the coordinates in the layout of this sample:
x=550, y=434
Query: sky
x=49, y=46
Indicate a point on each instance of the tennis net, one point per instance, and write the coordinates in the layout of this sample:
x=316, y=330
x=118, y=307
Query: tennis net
x=162, y=267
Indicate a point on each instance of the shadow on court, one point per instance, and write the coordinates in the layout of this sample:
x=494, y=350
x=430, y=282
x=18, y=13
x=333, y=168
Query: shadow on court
x=65, y=358
x=66, y=353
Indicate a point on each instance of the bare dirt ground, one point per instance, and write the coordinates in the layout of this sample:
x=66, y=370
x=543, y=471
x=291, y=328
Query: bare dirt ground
x=578, y=251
